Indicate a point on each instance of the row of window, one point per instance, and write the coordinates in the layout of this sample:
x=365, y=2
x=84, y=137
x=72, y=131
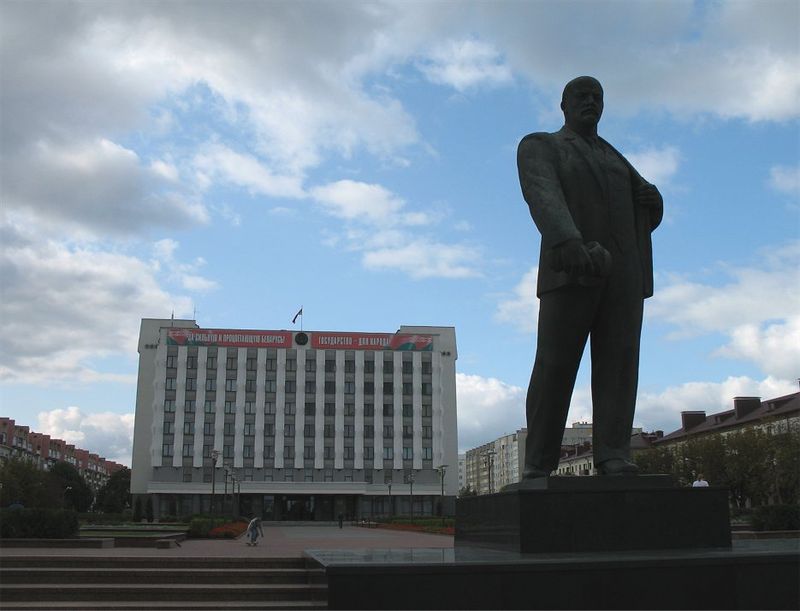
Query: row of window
x=349, y=409
x=308, y=475
x=271, y=364
x=248, y=451
x=290, y=386
x=250, y=429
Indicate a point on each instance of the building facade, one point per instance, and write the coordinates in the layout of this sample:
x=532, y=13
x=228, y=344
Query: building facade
x=21, y=442
x=495, y=464
x=300, y=425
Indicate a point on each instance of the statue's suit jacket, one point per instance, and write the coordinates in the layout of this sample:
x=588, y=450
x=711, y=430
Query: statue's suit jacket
x=568, y=198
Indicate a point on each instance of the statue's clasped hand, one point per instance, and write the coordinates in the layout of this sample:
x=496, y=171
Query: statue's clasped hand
x=579, y=259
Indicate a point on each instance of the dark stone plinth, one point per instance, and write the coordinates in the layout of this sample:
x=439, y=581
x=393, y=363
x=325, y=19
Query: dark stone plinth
x=595, y=514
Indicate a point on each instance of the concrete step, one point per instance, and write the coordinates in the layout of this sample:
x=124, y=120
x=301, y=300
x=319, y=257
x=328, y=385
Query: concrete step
x=157, y=605
x=174, y=592
x=88, y=562
x=150, y=575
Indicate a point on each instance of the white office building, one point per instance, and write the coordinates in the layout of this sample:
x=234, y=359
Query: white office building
x=295, y=425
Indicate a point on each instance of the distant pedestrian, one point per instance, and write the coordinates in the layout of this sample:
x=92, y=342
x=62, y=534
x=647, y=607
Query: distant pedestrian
x=700, y=482
x=254, y=530
x=341, y=520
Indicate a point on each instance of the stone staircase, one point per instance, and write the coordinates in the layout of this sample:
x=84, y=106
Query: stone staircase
x=156, y=584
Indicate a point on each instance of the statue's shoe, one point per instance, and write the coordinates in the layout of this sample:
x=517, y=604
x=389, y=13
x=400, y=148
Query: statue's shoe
x=617, y=466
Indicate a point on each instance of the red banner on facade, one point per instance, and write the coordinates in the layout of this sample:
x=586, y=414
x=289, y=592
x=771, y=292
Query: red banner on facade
x=229, y=337
x=371, y=341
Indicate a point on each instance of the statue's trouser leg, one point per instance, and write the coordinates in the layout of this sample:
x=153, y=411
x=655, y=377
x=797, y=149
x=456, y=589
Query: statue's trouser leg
x=615, y=340
x=565, y=318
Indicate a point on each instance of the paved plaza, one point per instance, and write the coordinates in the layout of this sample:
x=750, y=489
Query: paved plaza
x=278, y=542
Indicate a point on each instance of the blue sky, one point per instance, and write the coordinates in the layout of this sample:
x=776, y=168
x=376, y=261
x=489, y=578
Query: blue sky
x=358, y=159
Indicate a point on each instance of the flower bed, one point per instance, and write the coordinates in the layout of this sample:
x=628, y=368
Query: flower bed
x=232, y=530
x=427, y=528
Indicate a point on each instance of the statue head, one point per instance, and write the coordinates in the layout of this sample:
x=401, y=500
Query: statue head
x=582, y=103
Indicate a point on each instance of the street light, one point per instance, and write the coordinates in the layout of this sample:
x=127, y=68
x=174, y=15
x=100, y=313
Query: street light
x=442, y=469
x=391, y=507
x=489, y=461
x=214, y=457
x=411, y=492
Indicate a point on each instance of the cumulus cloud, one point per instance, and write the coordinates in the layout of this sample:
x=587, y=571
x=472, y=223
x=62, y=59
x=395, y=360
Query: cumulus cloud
x=661, y=411
x=358, y=201
x=107, y=434
x=756, y=307
x=521, y=308
x=64, y=304
x=785, y=179
x=186, y=274
x=424, y=258
x=465, y=64
x=656, y=165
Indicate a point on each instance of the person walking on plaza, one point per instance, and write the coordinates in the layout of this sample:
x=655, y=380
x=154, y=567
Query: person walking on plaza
x=254, y=530
x=700, y=482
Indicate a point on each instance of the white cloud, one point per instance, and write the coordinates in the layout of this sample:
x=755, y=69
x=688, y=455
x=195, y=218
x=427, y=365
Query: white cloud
x=657, y=166
x=65, y=304
x=661, y=411
x=184, y=273
x=785, y=179
x=358, y=201
x=424, y=258
x=521, y=309
x=758, y=309
x=465, y=64
x=487, y=409
x=107, y=434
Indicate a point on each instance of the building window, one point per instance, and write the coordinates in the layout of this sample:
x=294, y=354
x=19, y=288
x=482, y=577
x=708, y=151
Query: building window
x=388, y=367
x=289, y=408
x=288, y=430
x=191, y=362
x=166, y=449
x=408, y=367
x=311, y=387
x=388, y=453
x=408, y=453
x=426, y=367
x=248, y=475
x=408, y=432
x=247, y=451
x=252, y=364
x=188, y=428
x=330, y=366
x=330, y=409
x=269, y=452
x=328, y=455
x=211, y=362
x=369, y=453
x=349, y=430
x=388, y=388
x=170, y=384
x=231, y=363
x=188, y=406
x=388, y=431
x=349, y=388
x=271, y=365
x=308, y=452
x=250, y=386
x=249, y=428
x=369, y=388
x=427, y=453
x=388, y=409
x=349, y=452
x=408, y=410
x=408, y=388
x=230, y=385
x=427, y=411
x=187, y=475
x=311, y=365
x=169, y=405
x=269, y=429
x=328, y=432
x=367, y=477
x=310, y=409
x=369, y=409
x=290, y=386
x=288, y=452
x=191, y=384
x=209, y=407
x=188, y=450
x=208, y=428
x=369, y=432
x=291, y=364
x=230, y=428
x=308, y=430
x=349, y=366
x=207, y=450
x=369, y=366
x=269, y=407
x=330, y=388
x=249, y=407
x=230, y=407
x=169, y=428
x=172, y=362
x=211, y=384
x=349, y=409
x=427, y=388
x=427, y=432
x=227, y=451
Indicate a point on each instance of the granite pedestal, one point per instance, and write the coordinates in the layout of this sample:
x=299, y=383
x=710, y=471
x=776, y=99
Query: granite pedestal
x=595, y=514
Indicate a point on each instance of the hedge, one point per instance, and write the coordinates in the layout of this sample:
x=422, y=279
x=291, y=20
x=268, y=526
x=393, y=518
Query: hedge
x=776, y=517
x=38, y=524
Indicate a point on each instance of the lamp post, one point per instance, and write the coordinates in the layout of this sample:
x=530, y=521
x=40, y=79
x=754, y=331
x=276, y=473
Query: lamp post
x=442, y=469
x=235, y=499
x=391, y=507
x=214, y=457
x=411, y=492
x=489, y=461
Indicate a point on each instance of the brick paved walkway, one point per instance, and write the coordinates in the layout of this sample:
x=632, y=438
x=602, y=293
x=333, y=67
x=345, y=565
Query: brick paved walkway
x=278, y=541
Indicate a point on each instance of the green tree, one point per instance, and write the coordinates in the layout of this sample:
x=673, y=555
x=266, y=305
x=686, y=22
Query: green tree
x=785, y=460
x=655, y=461
x=748, y=467
x=115, y=495
x=75, y=492
x=23, y=483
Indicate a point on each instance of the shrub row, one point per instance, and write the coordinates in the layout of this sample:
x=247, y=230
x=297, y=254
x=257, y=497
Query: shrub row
x=38, y=524
x=204, y=527
x=776, y=517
